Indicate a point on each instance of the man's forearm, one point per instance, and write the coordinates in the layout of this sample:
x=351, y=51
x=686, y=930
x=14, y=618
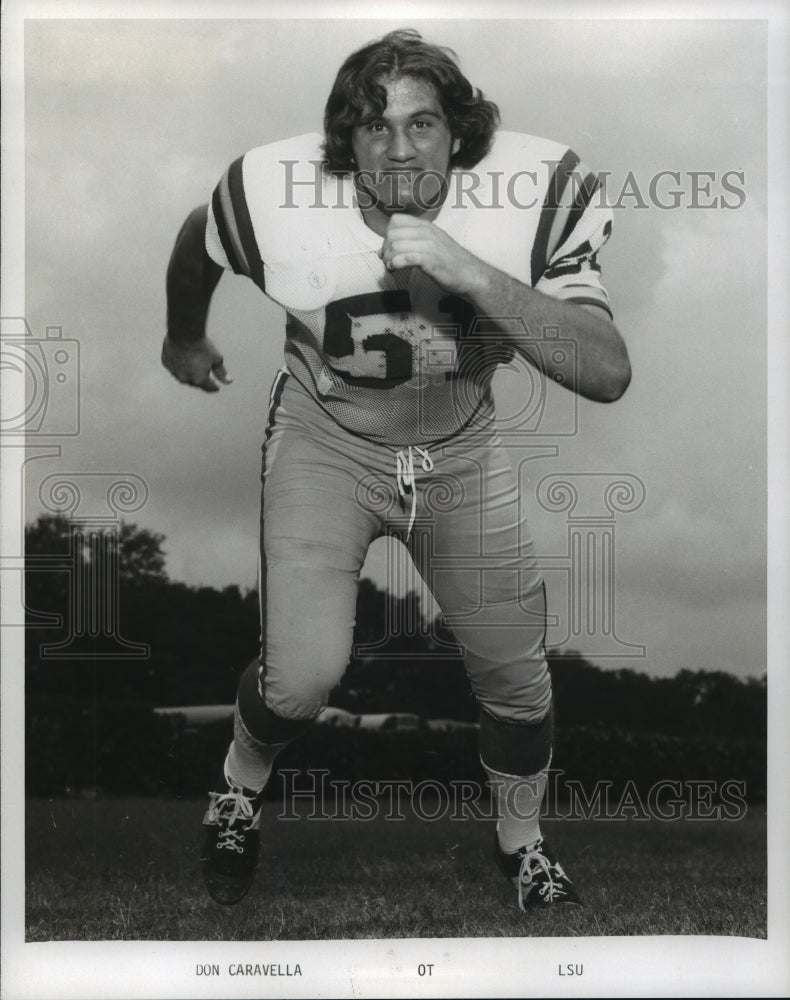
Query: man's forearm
x=192, y=277
x=602, y=367
x=602, y=370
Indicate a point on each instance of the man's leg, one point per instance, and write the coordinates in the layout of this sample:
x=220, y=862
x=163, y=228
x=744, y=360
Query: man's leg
x=315, y=536
x=480, y=565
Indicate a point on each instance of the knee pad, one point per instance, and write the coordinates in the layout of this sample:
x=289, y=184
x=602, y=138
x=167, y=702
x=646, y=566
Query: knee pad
x=515, y=748
x=260, y=722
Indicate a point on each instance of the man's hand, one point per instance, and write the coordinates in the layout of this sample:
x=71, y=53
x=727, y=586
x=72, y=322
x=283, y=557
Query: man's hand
x=414, y=242
x=193, y=362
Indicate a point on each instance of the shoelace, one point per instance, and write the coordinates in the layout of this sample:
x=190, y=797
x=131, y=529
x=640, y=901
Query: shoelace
x=551, y=888
x=404, y=462
x=229, y=838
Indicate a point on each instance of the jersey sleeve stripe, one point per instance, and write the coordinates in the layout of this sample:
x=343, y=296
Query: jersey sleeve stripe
x=227, y=227
x=588, y=300
x=241, y=213
x=222, y=231
x=564, y=206
x=571, y=266
x=557, y=185
x=583, y=197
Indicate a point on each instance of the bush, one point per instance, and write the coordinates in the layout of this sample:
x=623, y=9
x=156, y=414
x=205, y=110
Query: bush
x=112, y=747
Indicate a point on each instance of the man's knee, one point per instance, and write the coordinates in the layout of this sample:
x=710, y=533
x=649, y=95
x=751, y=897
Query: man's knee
x=279, y=711
x=513, y=682
x=256, y=721
x=310, y=616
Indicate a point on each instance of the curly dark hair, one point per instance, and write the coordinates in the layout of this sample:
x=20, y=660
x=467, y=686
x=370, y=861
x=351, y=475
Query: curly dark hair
x=358, y=88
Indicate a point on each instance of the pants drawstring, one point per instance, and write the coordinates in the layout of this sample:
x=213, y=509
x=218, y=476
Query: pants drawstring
x=404, y=461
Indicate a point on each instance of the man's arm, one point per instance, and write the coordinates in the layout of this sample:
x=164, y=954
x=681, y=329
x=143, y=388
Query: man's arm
x=192, y=277
x=603, y=370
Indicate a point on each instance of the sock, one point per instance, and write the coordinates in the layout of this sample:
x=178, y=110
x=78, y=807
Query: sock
x=516, y=757
x=518, y=805
x=249, y=761
x=258, y=736
x=250, y=768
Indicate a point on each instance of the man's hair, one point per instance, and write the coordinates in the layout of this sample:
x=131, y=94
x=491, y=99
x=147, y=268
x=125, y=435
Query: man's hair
x=358, y=89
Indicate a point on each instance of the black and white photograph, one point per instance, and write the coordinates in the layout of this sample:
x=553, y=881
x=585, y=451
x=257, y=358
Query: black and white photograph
x=394, y=547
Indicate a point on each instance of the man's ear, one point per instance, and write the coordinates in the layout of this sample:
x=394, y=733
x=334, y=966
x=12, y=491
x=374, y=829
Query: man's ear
x=456, y=146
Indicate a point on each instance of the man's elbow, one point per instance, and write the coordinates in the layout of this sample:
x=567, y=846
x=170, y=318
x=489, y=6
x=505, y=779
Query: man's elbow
x=612, y=384
x=611, y=375
x=187, y=256
x=617, y=383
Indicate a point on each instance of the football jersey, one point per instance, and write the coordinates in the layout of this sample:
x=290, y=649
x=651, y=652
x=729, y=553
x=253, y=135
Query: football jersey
x=390, y=355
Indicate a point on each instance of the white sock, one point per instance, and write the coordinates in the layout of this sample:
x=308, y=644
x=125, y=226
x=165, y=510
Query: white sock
x=248, y=767
x=518, y=804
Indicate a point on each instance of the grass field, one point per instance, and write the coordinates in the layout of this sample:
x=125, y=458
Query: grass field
x=124, y=869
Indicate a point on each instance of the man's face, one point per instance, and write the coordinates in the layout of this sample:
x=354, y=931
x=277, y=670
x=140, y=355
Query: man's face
x=403, y=156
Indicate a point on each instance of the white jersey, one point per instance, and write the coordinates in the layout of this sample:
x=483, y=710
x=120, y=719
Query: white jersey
x=390, y=355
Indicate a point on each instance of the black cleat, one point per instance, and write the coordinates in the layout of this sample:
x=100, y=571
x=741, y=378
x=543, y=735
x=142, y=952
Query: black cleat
x=230, y=842
x=540, y=879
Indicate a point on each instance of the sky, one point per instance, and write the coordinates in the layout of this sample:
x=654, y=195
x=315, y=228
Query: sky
x=130, y=123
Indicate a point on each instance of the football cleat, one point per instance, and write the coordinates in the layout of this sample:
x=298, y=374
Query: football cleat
x=540, y=879
x=230, y=842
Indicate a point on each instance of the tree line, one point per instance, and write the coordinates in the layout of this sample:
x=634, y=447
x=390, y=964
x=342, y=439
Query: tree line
x=200, y=638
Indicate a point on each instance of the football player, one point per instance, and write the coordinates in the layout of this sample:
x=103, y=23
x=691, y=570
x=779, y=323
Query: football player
x=414, y=247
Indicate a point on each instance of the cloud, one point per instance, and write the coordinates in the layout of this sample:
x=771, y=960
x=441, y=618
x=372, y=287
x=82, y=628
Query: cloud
x=703, y=250
x=700, y=556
